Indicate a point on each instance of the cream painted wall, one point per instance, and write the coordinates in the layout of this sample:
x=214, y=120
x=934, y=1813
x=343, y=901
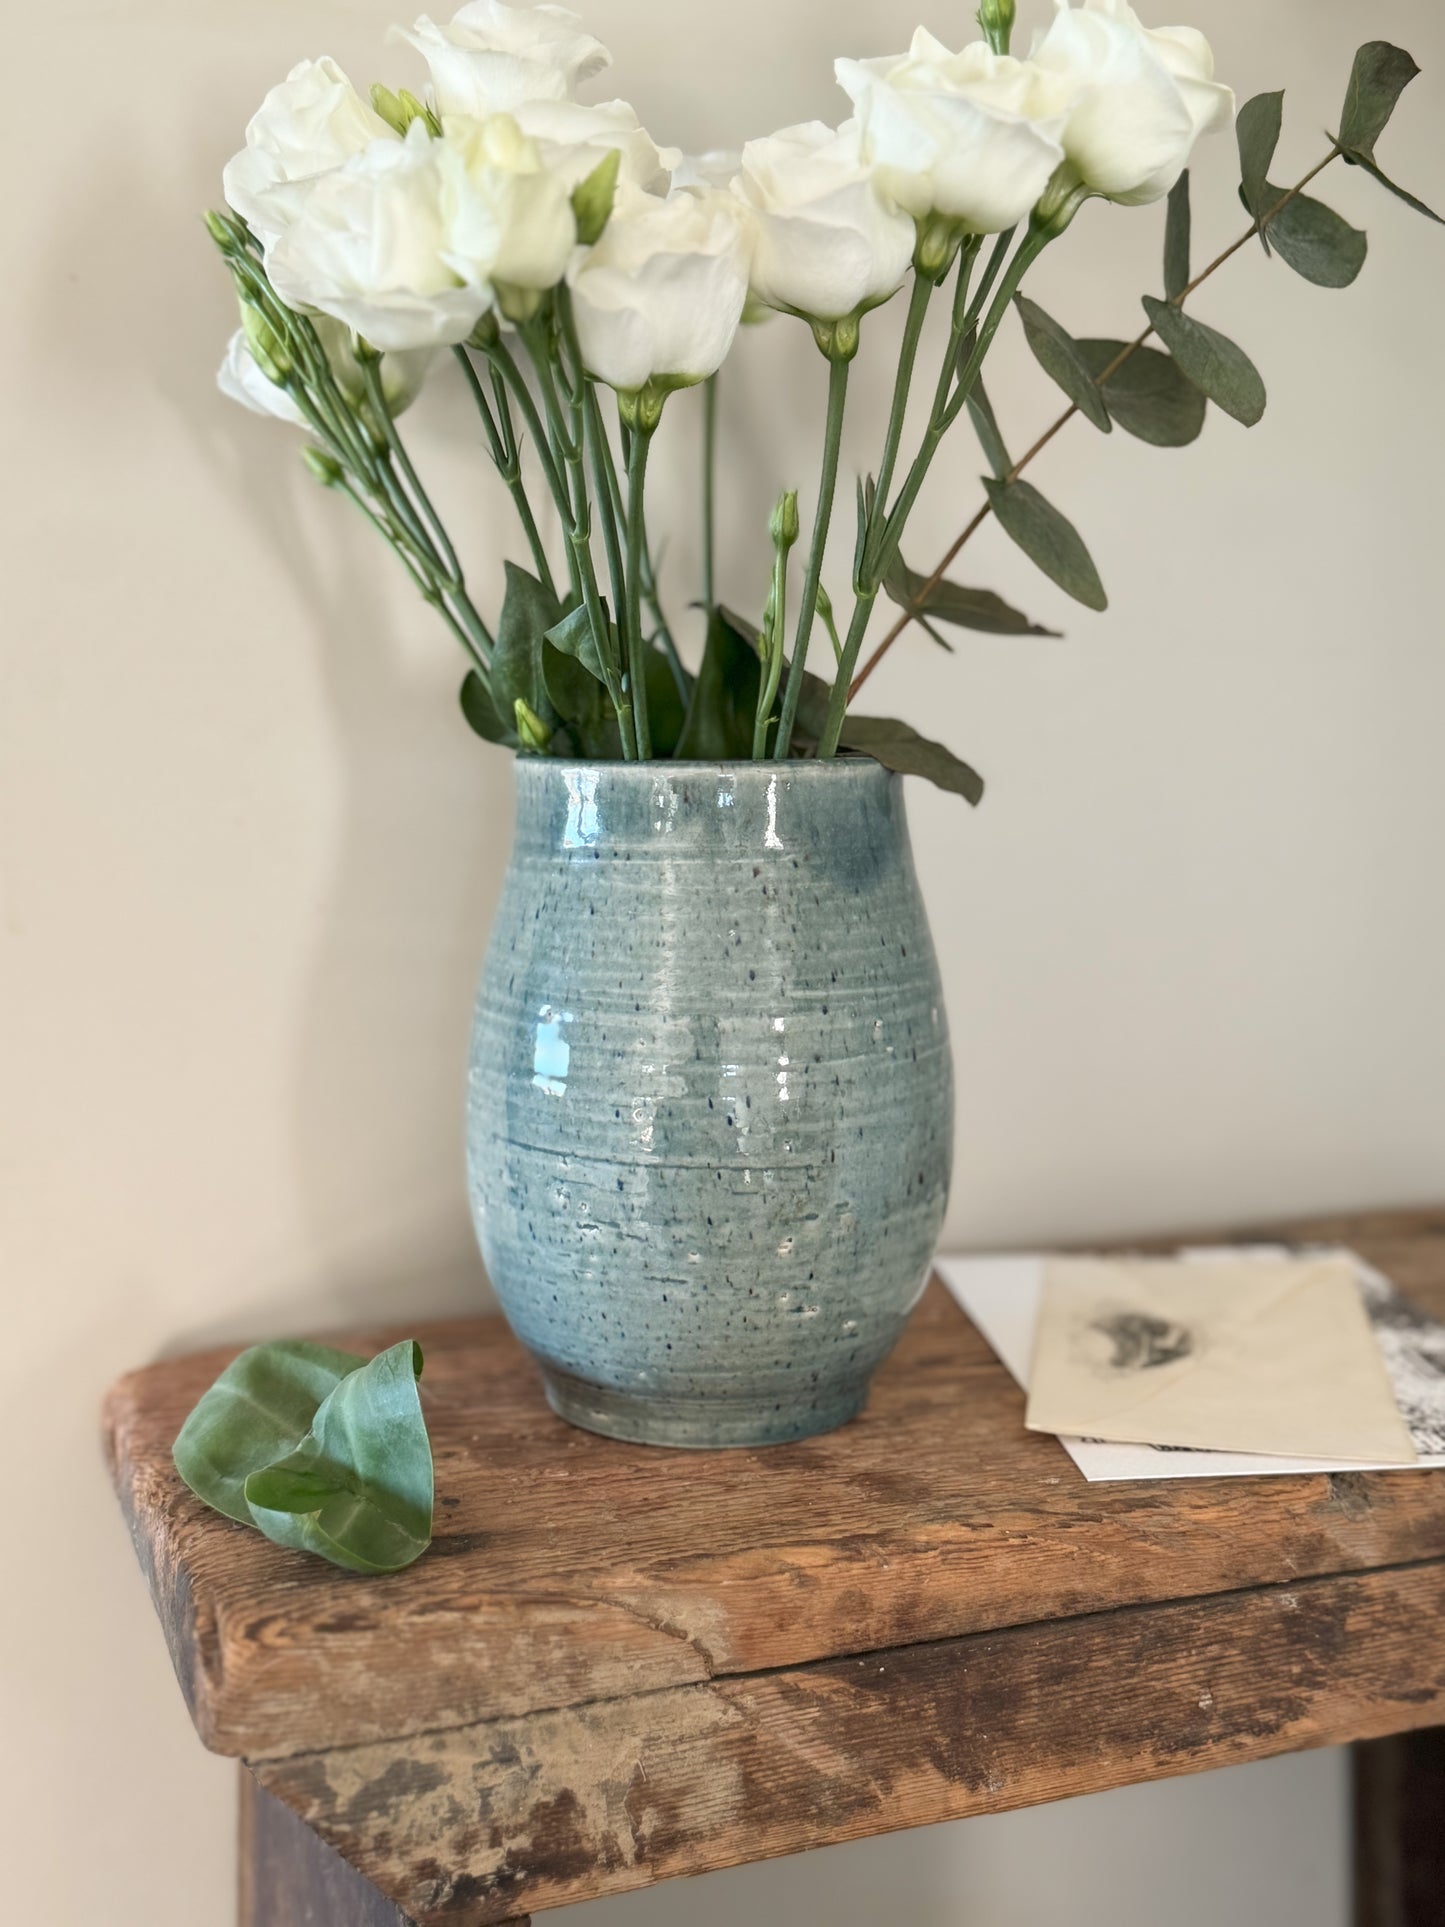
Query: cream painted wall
x=1193, y=941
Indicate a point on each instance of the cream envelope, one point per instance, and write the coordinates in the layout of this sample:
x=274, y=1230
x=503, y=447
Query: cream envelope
x=1271, y=1355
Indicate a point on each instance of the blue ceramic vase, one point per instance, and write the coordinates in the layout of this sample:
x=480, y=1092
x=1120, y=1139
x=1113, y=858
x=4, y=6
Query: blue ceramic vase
x=710, y=1099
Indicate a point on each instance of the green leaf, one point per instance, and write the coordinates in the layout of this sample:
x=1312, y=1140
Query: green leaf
x=1380, y=75
x=1373, y=168
x=898, y=747
x=1210, y=360
x=1257, y=131
x=592, y=199
x=1147, y=395
x=1057, y=353
x=358, y=1489
x=582, y=703
x=481, y=712
x=985, y=423
x=666, y=711
x=718, y=727
x=1176, y=238
x=258, y=1410
x=573, y=636
x=528, y=612
x=952, y=602
x=1315, y=241
x=1048, y=539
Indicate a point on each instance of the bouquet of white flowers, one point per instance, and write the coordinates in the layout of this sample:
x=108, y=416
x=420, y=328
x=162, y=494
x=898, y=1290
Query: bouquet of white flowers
x=581, y=275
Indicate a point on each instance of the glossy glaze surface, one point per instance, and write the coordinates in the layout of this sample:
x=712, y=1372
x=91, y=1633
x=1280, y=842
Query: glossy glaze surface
x=710, y=1099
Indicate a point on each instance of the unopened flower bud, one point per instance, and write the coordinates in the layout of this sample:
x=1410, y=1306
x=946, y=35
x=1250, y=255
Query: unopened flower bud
x=592, y=199
x=532, y=732
x=400, y=110
x=224, y=230
x=996, y=22
x=327, y=470
x=783, y=524
x=268, y=351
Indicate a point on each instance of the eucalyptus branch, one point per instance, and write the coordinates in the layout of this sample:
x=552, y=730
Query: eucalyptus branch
x=1126, y=353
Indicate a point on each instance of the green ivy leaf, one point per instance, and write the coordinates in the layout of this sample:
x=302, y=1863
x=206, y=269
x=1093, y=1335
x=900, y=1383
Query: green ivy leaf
x=1057, y=353
x=1177, y=225
x=1257, y=130
x=1211, y=361
x=898, y=747
x=358, y=1489
x=1048, y=538
x=952, y=602
x=718, y=727
x=528, y=612
x=481, y=712
x=1379, y=76
x=1147, y=395
x=258, y=1410
x=1315, y=241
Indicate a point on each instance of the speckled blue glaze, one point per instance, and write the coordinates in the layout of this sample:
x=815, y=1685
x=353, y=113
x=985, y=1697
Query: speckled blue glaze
x=710, y=1102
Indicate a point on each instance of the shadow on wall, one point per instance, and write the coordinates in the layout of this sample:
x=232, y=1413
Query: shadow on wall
x=421, y=824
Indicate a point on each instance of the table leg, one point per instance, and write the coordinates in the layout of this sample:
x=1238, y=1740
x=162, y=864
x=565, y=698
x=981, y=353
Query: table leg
x=291, y=1878
x=1400, y=1830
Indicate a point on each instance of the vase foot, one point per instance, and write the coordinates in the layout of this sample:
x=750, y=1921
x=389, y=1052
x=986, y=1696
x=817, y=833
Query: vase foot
x=700, y=1423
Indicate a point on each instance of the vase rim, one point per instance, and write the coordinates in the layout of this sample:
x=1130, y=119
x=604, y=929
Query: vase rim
x=810, y=767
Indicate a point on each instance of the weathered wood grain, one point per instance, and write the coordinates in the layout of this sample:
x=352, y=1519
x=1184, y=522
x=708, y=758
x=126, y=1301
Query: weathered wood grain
x=1400, y=1830
x=464, y=1827
x=569, y=1569
x=289, y=1877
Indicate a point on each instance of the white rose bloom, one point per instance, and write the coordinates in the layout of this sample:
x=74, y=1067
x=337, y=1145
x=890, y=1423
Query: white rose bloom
x=971, y=136
x=574, y=139
x=825, y=242
x=718, y=167
x=312, y=122
x=369, y=245
x=507, y=217
x=241, y=380
x=1141, y=101
x=661, y=293
x=491, y=57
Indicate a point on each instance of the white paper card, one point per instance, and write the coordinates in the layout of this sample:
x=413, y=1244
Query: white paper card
x=1001, y=1295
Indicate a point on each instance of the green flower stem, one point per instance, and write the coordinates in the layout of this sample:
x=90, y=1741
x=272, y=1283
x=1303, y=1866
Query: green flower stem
x=650, y=595
x=577, y=514
x=709, y=488
x=636, y=654
x=822, y=515
x=604, y=483
x=381, y=410
x=945, y=413
x=918, y=301
x=464, y=622
x=507, y=458
x=504, y=365
x=774, y=629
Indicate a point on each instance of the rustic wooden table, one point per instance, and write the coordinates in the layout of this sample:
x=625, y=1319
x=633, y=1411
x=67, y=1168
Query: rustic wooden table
x=617, y=1665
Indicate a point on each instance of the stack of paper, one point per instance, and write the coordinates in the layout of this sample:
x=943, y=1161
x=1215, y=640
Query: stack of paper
x=1221, y=1362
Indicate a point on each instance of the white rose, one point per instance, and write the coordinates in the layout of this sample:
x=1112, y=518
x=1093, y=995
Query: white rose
x=1141, y=100
x=507, y=217
x=574, y=139
x=825, y=242
x=971, y=136
x=718, y=167
x=491, y=57
x=241, y=380
x=369, y=244
x=313, y=121
x=660, y=295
